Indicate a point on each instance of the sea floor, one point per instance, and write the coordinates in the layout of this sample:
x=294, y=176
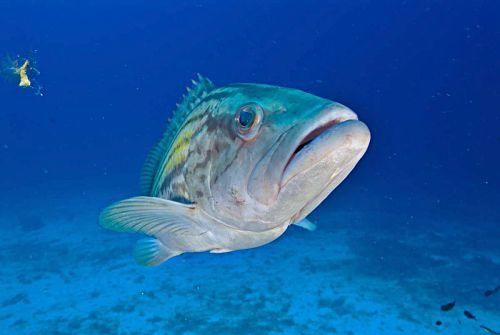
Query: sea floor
x=358, y=273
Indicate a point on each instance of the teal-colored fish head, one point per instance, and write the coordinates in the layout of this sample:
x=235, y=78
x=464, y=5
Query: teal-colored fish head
x=264, y=156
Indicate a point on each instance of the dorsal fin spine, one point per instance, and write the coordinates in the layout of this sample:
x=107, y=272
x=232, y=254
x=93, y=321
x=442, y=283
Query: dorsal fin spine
x=199, y=90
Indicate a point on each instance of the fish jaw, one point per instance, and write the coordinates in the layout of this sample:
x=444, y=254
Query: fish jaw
x=321, y=159
x=266, y=179
x=337, y=147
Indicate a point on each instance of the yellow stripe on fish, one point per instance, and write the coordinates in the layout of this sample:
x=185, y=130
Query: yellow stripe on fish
x=176, y=156
x=179, y=151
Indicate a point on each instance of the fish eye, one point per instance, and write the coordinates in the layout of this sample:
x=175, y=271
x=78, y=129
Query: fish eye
x=248, y=119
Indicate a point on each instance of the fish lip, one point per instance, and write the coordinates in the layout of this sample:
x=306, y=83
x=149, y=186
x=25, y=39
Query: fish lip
x=311, y=136
x=324, y=130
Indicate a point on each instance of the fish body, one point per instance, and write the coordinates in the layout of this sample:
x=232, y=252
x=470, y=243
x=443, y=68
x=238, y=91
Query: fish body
x=22, y=71
x=237, y=165
x=489, y=293
x=448, y=307
x=469, y=315
x=489, y=330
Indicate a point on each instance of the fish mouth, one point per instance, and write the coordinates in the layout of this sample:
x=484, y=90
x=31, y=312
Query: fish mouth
x=338, y=130
x=310, y=137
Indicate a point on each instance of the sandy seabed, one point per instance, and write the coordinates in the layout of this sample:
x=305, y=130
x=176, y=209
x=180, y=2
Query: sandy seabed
x=358, y=273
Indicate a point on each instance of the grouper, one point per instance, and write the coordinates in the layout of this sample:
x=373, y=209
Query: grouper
x=236, y=167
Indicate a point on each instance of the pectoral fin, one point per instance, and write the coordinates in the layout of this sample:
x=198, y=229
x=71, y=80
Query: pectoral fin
x=149, y=215
x=306, y=224
x=174, y=225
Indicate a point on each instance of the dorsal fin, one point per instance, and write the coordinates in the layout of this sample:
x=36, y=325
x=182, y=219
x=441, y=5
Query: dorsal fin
x=195, y=94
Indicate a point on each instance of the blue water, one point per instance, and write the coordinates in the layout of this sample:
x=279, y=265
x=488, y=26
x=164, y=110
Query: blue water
x=416, y=225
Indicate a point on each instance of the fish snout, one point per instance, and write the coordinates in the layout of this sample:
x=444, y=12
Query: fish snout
x=345, y=130
x=358, y=136
x=338, y=112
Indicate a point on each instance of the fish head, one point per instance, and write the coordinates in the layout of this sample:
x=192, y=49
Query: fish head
x=280, y=152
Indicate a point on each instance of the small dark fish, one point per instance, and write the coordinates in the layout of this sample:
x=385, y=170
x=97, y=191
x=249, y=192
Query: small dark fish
x=448, y=307
x=469, y=315
x=438, y=323
x=489, y=330
x=488, y=293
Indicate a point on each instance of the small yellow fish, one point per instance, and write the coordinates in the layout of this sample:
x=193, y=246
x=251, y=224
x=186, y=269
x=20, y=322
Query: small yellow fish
x=23, y=75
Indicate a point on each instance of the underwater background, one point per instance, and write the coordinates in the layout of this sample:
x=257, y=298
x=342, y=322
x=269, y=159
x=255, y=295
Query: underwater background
x=414, y=227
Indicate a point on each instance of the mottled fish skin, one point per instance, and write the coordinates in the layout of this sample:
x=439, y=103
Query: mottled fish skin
x=244, y=184
x=184, y=174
